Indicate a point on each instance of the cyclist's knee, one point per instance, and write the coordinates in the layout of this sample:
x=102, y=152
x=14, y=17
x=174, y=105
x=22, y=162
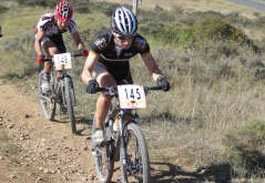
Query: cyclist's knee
x=50, y=49
x=105, y=98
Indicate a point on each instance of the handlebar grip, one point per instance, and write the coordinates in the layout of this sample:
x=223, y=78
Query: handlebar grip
x=77, y=55
x=47, y=60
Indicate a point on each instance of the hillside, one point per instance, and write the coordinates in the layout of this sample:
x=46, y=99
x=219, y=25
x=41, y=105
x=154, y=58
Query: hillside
x=208, y=128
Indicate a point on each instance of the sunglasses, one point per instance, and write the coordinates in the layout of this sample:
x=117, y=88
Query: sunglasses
x=123, y=38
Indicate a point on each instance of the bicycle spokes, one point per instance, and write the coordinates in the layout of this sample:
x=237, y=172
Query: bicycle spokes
x=133, y=157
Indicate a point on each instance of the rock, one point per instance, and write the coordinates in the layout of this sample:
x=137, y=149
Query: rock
x=39, y=179
x=11, y=126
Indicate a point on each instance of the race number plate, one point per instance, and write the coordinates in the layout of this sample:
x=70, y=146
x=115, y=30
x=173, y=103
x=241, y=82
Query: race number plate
x=62, y=60
x=131, y=97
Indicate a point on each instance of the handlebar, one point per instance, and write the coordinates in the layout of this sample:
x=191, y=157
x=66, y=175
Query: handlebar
x=74, y=55
x=114, y=91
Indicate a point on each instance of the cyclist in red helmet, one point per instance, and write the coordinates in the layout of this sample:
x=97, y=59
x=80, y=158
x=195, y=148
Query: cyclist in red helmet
x=48, y=37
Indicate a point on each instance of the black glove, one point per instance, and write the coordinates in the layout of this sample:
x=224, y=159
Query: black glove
x=163, y=83
x=92, y=86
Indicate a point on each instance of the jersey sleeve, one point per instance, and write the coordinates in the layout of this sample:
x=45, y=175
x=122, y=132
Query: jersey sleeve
x=100, y=44
x=141, y=45
x=72, y=27
x=45, y=21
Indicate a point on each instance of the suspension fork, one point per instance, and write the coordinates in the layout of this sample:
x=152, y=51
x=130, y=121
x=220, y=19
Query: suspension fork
x=63, y=87
x=122, y=126
x=122, y=143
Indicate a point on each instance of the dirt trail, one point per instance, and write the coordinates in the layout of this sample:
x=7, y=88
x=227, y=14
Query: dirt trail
x=48, y=152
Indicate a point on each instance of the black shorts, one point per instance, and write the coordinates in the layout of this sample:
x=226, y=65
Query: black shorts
x=59, y=43
x=57, y=40
x=121, y=76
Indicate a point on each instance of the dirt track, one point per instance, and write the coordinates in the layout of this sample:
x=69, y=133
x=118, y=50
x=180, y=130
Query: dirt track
x=48, y=152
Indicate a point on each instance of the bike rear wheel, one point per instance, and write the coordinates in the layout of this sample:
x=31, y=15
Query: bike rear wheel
x=134, y=158
x=68, y=93
x=47, y=101
x=103, y=159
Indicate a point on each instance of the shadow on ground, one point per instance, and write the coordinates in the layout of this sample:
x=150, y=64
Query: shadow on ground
x=170, y=173
x=85, y=124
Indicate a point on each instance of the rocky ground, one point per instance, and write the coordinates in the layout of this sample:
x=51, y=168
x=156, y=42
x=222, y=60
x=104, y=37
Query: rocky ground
x=41, y=151
x=46, y=151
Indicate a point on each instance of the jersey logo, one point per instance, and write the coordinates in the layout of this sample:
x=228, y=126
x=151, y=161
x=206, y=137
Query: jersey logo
x=100, y=43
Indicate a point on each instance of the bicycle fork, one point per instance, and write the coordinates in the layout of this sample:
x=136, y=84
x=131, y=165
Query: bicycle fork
x=122, y=143
x=62, y=88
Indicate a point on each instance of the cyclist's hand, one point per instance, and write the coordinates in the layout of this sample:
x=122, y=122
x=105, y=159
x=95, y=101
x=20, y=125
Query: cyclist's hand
x=40, y=59
x=84, y=52
x=163, y=83
x=92, y=86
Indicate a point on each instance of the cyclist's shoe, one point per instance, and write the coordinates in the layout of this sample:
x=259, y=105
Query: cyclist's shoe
x=97, y=136
x=45, y=85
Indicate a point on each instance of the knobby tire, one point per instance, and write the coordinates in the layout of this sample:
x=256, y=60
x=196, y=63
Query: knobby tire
x=141, y=148
x=48, y=104
x=103, y=159
x=68, y=90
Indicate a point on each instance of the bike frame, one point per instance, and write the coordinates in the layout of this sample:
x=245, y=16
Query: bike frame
x=60, y=87
x=117, y=141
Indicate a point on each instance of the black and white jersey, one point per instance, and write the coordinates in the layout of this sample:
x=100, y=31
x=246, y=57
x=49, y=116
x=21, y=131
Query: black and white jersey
x=114, y=59
x=48, y=24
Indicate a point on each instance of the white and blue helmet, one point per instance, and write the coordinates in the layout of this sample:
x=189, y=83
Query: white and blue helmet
x=124, y=22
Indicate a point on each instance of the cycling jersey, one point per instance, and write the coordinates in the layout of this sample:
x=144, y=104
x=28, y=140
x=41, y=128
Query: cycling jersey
x=114, y=59
x=48, y=25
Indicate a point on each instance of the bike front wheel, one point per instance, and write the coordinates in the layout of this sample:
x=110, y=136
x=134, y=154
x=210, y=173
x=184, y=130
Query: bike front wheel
x=47, y=101
x=68, y=92
x=134, y=158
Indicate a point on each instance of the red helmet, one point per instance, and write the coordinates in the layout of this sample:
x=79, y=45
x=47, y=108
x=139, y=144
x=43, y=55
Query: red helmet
x=63, y=11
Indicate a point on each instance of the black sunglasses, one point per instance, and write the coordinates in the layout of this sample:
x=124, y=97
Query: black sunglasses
x=122, y=38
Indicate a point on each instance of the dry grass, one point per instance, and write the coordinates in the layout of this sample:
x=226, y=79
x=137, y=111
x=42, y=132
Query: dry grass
x=217, y=84
x=189, y=6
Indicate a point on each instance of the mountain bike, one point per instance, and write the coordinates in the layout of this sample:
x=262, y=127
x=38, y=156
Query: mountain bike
x=61, y=89
x=123, y=138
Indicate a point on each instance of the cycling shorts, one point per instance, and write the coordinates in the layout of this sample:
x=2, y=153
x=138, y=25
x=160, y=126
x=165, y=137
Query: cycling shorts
x=120, y=79
x=57, y=40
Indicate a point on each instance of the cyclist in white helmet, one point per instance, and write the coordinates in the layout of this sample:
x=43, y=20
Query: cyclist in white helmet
x=108, y=62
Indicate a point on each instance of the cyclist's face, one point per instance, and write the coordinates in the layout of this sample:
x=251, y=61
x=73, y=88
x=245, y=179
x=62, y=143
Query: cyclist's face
x=123, y=42
x=62, y=25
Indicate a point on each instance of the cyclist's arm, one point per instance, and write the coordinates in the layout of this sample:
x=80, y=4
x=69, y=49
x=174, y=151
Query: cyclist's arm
x=151, y=65
x=37, y=43
x=87, y=72
x=80, y=45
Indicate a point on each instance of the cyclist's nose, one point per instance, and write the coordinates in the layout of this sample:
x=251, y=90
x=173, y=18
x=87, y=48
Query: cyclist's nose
x=126, y=43
x=63, y=24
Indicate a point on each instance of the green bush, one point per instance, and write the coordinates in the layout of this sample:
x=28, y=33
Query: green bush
x=245, y=147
